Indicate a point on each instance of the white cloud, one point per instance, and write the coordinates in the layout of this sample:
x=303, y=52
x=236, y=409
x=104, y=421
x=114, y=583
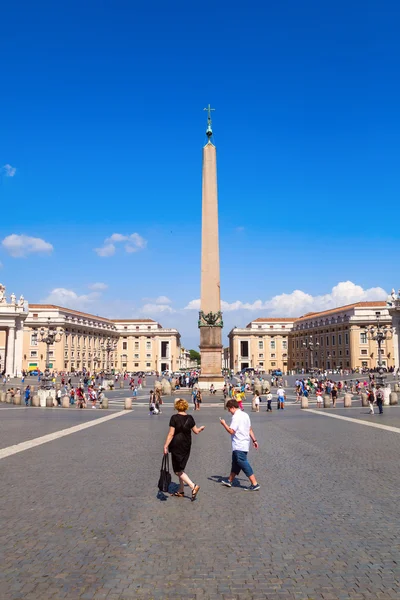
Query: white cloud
x=298, y=302
x=9, y=171
x=156, y=309
x=134, y=243
x=106, y=250
x=163, y=300
x=98, y=286
x=70, y=299
x=20, y=246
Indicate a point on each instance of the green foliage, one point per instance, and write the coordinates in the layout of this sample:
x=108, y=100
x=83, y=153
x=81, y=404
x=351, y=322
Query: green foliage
x=194, y=355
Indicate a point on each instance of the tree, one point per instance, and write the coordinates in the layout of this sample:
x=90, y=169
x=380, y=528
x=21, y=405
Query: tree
x=194, y=355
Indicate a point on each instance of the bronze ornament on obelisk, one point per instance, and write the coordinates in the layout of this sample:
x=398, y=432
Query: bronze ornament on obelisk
x=210, y=316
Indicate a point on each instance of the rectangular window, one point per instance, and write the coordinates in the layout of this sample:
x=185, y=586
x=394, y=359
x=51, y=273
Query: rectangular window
x=261, y=356
x=327, y=340
x=333, y=340
x=136, y=364
x=364, y=363
x=148, y=355
x=136, y=345
x=284, y=344
x=148, y=345
x=297, y=344
x=34, y=339
x=340, y=339
x=273, y=364
x=34, y=353
x=124, y=345
x=261, y=345
x=272, y=344
x=273, y=355
x=363, y=337
x=244, y=349
x=346, y=339
x=321, y=341
x=136, y=356
x=364, y=351
x=148, y=364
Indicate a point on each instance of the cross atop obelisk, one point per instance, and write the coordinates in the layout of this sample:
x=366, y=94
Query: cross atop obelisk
x=210, y=316
x=209, y=122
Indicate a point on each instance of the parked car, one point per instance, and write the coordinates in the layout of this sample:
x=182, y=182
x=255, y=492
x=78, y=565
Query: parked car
x=277, y=373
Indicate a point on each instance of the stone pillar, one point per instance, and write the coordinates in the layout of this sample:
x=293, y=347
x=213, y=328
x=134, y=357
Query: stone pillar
x=347, y=400
x=65, y=401
x=3, y=396
x=386, y=395
x=128, y=404
x=10, y=351
x=17, y=399
x=364, y=399
x=18, y=348
x=104, y=403
x=121, y=384
x=35, y=400
x=327, y=401
x=304, y=402
x=396, y=336
x=393, y=398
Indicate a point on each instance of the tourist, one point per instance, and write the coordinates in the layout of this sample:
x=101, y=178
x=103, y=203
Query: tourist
x=319, y=397
x=269, y=402
x=281, y=397
x=256, y=402
x=241, y=432
x=371, y=400
x=27, y=395
x=334, y=394
x=379, y=399
x=158, y=400
x=59, y=397
x=198, y=400
x=178, y=442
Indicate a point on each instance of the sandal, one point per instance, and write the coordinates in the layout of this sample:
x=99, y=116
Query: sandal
x=179, y=494
x=195, y=492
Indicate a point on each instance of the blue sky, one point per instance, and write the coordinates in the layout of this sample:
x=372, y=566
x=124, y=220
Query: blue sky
x=101, y=134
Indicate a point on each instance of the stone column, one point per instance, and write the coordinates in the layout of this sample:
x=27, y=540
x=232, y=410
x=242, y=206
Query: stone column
x=396, y=337
x=10, y=351
x=18, y=348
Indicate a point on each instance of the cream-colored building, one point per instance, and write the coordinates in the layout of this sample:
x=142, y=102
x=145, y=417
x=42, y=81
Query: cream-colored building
x=337, y=338
x=135, y=344
x=262, y=345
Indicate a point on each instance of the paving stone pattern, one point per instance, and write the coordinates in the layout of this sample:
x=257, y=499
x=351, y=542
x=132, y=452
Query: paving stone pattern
x=81, y=517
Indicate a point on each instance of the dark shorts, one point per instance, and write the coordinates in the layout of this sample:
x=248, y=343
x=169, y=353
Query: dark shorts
x=240, y=463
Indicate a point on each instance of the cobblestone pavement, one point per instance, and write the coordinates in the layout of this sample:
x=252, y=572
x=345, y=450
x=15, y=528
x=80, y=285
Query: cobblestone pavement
x=81, y=517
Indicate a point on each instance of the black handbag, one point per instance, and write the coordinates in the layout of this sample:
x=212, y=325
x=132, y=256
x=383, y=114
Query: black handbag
x=165, y=475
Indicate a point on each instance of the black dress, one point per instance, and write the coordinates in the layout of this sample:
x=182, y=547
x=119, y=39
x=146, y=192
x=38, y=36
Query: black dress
x=181, y=442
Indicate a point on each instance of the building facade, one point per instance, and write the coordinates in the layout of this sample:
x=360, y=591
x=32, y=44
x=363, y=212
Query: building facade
x=338, y=339
x=262, y=345
x=133, y=344
x=331, y=339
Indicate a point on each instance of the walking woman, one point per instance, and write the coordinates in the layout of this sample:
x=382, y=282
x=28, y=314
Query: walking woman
x=198, y=400
x=179, y=442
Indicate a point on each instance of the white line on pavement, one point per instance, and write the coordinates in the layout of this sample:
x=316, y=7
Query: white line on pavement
x=357, y=421
x=5, y=452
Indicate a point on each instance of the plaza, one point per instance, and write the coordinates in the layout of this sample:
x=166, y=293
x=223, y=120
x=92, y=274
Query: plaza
x=82, y=516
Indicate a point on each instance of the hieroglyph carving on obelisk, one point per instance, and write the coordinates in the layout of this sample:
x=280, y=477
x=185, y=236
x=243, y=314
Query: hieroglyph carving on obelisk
x=210, y=316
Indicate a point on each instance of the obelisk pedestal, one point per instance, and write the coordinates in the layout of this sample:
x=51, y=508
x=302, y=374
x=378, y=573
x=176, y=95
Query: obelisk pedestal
x=210, y=316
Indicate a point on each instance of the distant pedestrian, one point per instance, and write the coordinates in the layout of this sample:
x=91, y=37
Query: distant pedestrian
x=281, y=397
x=269, y=402
x=27, y=395
x=198, y=400
x=256, y=402
x=179, y=443
x=241, y=434
x=371, y=400
x=379, y=399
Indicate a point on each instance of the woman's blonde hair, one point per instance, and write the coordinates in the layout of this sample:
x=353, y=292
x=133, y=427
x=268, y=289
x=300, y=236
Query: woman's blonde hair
x=181, y=405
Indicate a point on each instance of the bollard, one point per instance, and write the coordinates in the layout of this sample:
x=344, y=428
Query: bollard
x=304, y=402
x=364, y=399
x=396, y=387
x=104, y=403
x=347, y=400
x=327, y=401
x=2, y=396
x=17, y=399
x=144, y=382
x=393, y=398
x=286, y=383
x=121, y=384
x=49, y=402
x=8, y=398
x=35, y=400
x=128, y=404
x=65, y=401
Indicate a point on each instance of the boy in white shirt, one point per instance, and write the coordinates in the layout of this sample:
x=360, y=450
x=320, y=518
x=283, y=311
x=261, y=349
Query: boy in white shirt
x=241, y=432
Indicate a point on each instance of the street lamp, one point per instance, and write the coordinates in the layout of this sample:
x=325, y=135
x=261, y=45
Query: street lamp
x=49, y=337
x=379, y=334
x=310, y=345
x=108, y=346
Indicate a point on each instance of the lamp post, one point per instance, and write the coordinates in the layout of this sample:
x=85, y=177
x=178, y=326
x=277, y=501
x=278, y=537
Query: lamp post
x=379, y=334
x=48, y=336
x=310, y=345
x=108, y=346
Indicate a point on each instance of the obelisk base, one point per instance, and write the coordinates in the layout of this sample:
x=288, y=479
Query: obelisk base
x=211, y=352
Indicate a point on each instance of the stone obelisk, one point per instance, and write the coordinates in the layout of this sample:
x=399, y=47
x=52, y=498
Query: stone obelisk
x=210, y=316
